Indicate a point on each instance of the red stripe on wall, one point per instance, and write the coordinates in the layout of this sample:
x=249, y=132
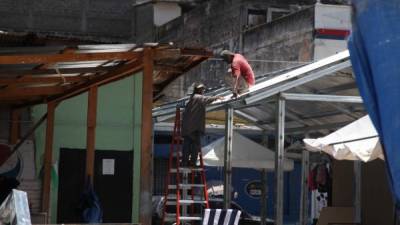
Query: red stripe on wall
x=333, y=32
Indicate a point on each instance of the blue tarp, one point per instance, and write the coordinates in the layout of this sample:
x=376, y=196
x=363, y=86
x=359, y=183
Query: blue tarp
x=375, y=55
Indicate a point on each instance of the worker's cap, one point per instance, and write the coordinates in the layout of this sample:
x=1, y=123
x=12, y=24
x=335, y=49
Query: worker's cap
x=226, y=55
x=198, y=86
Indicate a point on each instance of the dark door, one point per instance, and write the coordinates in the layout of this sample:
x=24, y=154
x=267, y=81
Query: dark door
x=112, y=183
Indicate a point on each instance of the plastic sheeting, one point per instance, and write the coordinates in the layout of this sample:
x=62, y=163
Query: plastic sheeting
x=15, y=209
x=245, y=154
x=356, y=141
x=375, y=51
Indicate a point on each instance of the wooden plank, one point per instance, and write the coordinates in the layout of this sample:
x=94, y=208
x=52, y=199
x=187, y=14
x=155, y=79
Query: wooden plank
x=67, y=57
x=146, y=175
x=48, y=157
x=91, y=132
x=15, y=128
x=119, y=73
x=23, y=72
x=31, y=91
x=41, y=79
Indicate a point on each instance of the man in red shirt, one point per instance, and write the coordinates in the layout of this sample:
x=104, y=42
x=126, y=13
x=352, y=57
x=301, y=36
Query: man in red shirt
x=242, y=73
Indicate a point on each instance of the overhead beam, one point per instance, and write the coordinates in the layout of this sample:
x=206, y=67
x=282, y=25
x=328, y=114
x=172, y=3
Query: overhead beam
x=41, y=79
x=339, y=106
x=54, y=72
x=30, y=91
x=67, y=57
x=119, y=73
x=322, y=98
x=295, y=83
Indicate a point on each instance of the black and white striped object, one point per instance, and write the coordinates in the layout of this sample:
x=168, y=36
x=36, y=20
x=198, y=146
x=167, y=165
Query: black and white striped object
x=221, y=216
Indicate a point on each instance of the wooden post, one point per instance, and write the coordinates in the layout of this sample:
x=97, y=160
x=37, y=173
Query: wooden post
x=15, y=127
x=48, y=156
x=146, y=170
x=91, y=132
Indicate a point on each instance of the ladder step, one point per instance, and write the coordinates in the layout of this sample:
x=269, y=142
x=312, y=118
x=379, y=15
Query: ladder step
x=189, y=201
x=186, y=170
x=185, y=186
x=190, y=218
x=171, y=217
x=186, y=202
x=173, y=197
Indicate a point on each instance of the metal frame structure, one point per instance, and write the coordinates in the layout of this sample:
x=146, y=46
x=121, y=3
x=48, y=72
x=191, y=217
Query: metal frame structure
x=292, y=86
x=49, y=75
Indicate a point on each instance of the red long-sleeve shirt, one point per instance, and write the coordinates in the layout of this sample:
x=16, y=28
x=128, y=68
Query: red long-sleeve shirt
x=240, y=67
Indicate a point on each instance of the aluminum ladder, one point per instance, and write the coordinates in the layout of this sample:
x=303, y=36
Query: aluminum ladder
x=186, y=190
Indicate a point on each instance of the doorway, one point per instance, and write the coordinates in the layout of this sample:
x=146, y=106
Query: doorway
x=113, y=177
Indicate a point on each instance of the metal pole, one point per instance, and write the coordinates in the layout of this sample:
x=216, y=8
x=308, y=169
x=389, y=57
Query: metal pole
x=357, y=191
x=228, y=156
x=279, y=160
x=263, y=197
x=305, y=167
x=263, y=213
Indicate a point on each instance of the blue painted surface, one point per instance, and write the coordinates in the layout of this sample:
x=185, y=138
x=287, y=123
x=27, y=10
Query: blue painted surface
x=242, y=176
x=375, y=51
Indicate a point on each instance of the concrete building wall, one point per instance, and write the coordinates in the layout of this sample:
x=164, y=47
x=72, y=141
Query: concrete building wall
x=165, y=12
x=99, y=19
x=280, y=44
x=220, y=25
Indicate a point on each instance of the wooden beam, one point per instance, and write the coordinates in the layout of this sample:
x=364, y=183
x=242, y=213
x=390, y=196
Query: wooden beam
x=15, y=126
x=146, y=175
x=166, y=54
x=67, y=57
x=31, y=91
x=119, y=73
x=24, y=72
x=48, y=157
x=91, y=132
x=41, y=80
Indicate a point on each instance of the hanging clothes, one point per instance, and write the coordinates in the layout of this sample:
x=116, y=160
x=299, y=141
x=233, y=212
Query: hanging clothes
x=90, y=208
x=320, y=185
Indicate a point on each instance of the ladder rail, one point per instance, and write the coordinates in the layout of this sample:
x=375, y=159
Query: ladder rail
x=177, y=161
x=170, y=166
x=175, y=152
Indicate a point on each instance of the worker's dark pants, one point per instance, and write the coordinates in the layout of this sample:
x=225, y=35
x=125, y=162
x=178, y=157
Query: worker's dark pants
x=191, y=148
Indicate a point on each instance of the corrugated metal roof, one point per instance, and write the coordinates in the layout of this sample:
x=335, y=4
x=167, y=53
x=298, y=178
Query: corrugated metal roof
x=330, y=76
x=30, y=75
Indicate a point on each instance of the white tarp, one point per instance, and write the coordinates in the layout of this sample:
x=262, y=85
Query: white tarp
x=245, y=154
x=356, y=141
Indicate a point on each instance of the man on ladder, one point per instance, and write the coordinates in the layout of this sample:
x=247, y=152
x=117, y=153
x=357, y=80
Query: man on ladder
x=194, y=123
